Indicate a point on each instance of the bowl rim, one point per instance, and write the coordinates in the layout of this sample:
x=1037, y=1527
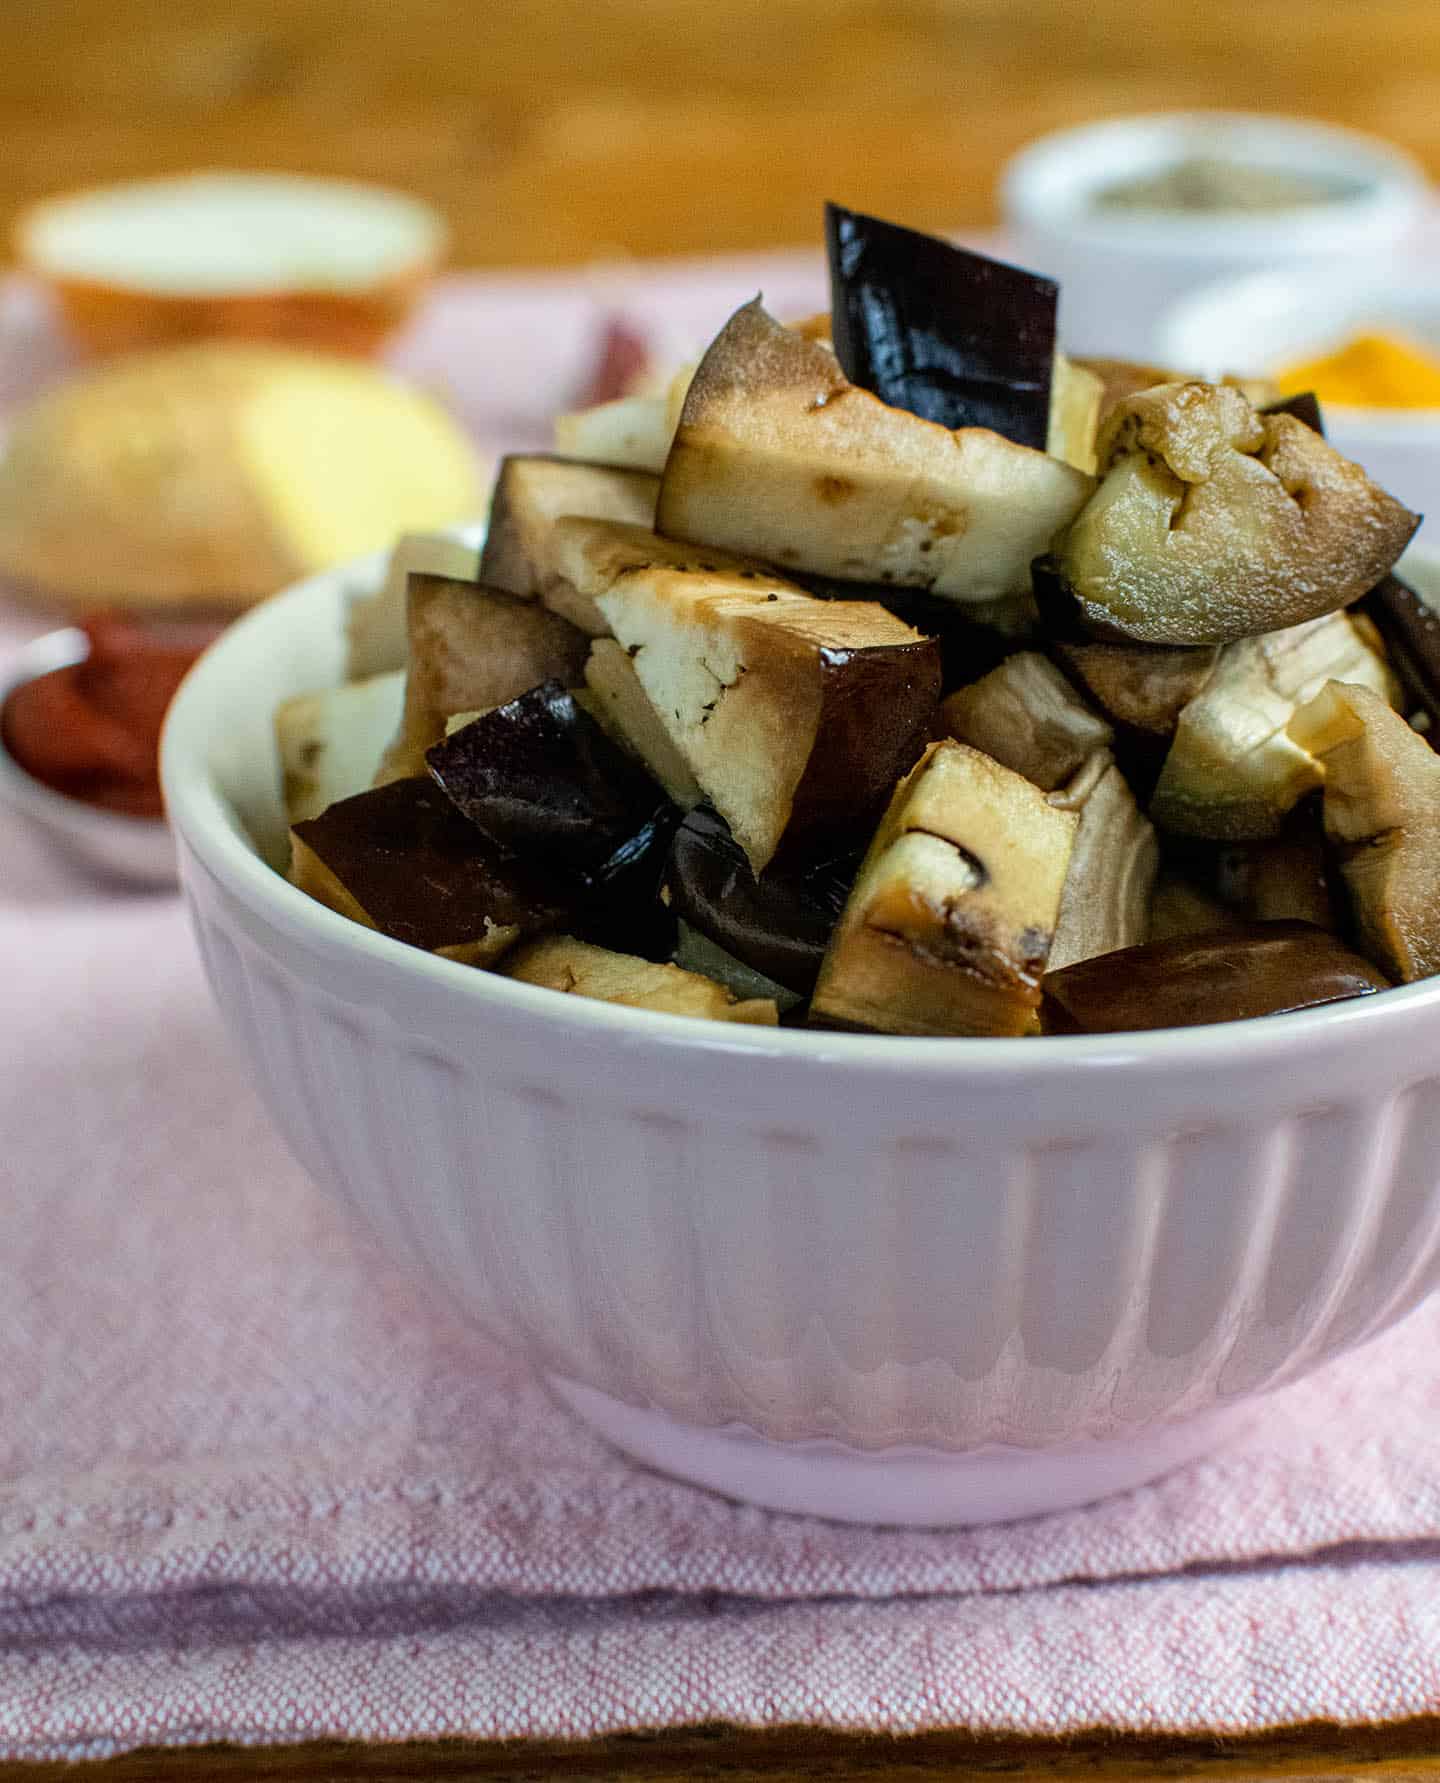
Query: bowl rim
x=1047, y=185
x=213, y=836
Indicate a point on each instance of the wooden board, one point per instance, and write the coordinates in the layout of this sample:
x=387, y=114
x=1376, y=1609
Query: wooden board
x=555, y=130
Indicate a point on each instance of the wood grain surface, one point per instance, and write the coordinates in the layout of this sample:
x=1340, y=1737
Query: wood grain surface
x=554, y=131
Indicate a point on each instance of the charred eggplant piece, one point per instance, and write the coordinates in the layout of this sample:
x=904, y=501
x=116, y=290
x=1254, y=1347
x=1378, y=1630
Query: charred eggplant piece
x=779, y=923
x=541, y=779
x=1382, y=818
x=580, y=969
x=1028, y=717
x=780, y=456
x=531, y=493
x=1267, y=968
x=472, y=647
x=402, y=860
x=1111, y=878
x=1234, y=772
x=954, y=337
x=796, y=716
x=1411, y=630
x=949, y=926
x=1213, y=523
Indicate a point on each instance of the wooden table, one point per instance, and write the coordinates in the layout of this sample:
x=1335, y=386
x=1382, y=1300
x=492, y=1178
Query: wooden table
x=558, y=130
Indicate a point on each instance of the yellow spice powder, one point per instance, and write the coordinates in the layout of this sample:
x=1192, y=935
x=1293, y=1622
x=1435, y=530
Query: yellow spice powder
x=1372, y=371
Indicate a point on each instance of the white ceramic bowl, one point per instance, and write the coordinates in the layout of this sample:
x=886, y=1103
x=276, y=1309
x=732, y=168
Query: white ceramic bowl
x=1120, y=270
x=1268, y=320
x=137, y=851
x=893, y=1280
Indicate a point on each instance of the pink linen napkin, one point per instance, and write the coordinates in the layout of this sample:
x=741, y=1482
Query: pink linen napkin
x=253, y=1486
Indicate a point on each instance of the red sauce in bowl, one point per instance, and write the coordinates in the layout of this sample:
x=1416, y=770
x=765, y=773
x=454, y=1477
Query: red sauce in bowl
x=92, y=731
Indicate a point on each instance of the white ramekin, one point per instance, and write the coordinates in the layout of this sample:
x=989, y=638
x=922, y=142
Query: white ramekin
x=893, y=1280
x=1119, y=271
x=1259, y=324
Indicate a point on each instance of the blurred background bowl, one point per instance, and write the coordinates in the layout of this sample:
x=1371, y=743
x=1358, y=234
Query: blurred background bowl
x=1260, y=324
x=1121, y=267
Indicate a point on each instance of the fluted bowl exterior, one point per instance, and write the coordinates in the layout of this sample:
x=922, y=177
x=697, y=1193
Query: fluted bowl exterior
x=885, y=1242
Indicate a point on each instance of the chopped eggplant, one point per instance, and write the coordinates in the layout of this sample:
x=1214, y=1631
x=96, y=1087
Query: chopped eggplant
x=1213, y=523
x=1280, y=881
x=330, y=742
x=1076, y=397
x=633, y=432
x=1410, y=627
x=698, y=953
x=1142, y=686
x=796, y=716
x=1305, y=407
x=402, y=860
x=622, y=705
x=531, y=494
x=1234, y=773
x=375, y=623
x=1123, y=378
x=563, y=963
x=780, y=456
x=472, y=647
x=1111, y=878
x=1382, y=817
x=541, y=779
x=949, y=926
x=1028, y=717
x=778, y=923
x=1265, y=968
x=949, y=335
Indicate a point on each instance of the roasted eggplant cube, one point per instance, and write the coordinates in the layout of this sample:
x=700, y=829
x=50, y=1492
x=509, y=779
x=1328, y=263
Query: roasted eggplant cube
x=779, y=923
x=472, y=647
x=1267, y=968
x=796, y=716
x=1234, y=772
x=780, y=456
x=402, y=860
x=531, y=494
x=1110, y=881
x=563, y=963
x=375, y=624
x=623, y=707
x=1382, y=820
x=1143, y=687
x=949, y=926
x=1028, y=717
x=540, y=778
x=950, y=335
x=1214, y=523
x=330, y=742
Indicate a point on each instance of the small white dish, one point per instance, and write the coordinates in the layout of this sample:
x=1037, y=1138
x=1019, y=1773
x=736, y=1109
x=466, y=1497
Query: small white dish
x=139, y=851
x=1256, y=325
x=1121, y=269
x=890, y=1280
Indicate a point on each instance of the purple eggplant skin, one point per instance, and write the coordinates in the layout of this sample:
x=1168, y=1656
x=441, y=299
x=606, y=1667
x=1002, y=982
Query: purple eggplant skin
x=540, y=778
x=425, y=876
x=1304, y=407
x=1410, y=628
x=779, y=923
x=1266, y=968
x=951, y=336
x=969, y=648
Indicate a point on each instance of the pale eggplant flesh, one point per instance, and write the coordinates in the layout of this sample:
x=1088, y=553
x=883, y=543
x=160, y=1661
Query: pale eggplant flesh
x=1269, y=968
x=950, y=335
